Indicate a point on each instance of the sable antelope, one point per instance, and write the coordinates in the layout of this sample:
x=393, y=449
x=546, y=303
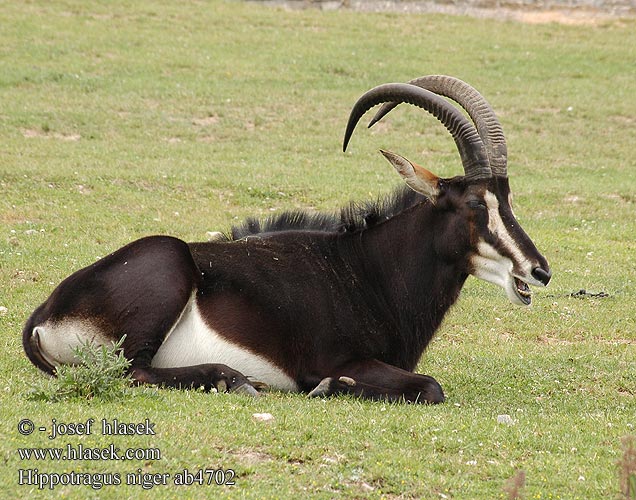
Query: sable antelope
x=318, y=303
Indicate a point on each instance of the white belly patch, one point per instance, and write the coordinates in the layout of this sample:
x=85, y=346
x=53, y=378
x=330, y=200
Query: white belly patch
x=192, y=342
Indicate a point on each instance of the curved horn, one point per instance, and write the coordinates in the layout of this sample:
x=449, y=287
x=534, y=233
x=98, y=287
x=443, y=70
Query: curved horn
x=478, y=109
x=469, y=144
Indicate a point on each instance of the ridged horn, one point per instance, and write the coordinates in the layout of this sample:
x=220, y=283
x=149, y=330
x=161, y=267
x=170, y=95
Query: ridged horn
x=479, y=110
x=469, y=144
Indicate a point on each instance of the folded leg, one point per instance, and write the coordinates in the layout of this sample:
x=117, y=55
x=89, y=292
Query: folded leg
x=207, y=376
x=373, y=379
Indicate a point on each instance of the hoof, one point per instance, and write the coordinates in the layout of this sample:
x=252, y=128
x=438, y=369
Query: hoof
x=328, y=386
x=347, y=380
x=247, y=389
x=258, y=385
x=322, y=389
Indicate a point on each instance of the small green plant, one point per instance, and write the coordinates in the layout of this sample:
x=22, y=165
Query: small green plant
x=101, y=374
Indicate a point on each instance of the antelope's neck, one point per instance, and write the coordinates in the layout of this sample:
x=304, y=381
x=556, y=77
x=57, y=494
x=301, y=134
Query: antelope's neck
x=411, y=283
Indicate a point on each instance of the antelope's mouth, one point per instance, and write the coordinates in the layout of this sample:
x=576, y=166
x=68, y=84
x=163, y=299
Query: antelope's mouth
x=522, y=290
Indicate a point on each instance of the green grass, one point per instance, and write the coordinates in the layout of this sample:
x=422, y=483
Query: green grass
x=123, y=119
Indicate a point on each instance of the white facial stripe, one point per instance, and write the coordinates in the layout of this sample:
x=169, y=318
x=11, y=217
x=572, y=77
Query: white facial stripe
x=498, y=228
x=193, y=342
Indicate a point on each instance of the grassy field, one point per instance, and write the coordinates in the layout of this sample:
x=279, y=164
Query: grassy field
x=124, y=119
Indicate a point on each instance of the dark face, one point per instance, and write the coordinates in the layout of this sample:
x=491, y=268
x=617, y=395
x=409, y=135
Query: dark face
x=499, y=251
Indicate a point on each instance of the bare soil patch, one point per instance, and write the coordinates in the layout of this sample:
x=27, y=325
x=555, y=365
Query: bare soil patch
x=35, y=133
x=572, y=12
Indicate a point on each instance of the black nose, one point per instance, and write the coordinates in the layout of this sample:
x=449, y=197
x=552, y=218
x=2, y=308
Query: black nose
x=542, y=275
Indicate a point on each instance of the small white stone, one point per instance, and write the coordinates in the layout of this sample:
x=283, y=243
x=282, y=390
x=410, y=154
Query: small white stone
x=263, y=417
x=505, y=419
x=3, y=310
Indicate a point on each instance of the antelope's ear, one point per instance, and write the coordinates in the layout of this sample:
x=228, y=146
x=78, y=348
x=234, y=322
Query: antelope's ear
x=417, y=178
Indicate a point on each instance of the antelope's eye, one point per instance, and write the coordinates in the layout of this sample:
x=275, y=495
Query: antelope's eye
x=477, y=204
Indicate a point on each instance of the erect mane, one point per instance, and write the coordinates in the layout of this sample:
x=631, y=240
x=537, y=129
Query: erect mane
x=352, y=218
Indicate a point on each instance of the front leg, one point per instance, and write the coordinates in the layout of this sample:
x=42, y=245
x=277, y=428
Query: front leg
x=373, y=379
x=207, y=376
